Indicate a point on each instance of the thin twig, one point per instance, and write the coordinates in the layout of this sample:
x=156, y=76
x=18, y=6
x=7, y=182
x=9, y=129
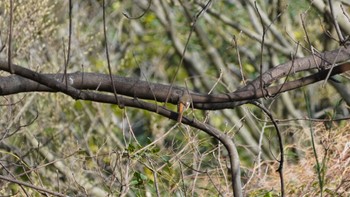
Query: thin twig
x=331, y=69
x=261, y=49
x=141, y=15
x=143, y=74
x=311, y=48
x=335, y=22
x=155, y=177
x=9, y=51
x=280, y=142
x=344, y=12
x=107, y=53
x=216, y=83
x=291, y=66
x=69, y=43
x=40, y=189
x=235, y=42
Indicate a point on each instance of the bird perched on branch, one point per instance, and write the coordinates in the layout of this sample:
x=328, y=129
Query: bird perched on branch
x=183, y=104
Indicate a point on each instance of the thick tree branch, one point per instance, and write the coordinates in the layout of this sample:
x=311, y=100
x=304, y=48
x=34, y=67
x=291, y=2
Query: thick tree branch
x=319, y=61
x=136, y=88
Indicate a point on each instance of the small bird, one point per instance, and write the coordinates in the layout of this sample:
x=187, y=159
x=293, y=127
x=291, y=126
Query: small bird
x=183, y=104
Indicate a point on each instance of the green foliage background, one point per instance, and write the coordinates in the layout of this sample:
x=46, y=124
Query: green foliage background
x=80, y=147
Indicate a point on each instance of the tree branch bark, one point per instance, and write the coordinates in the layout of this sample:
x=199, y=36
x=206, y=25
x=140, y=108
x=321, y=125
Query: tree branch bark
x=27, y=80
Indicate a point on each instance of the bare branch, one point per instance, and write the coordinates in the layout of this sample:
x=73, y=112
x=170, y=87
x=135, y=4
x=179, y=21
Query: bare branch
x=40, y=189
x=142, y=89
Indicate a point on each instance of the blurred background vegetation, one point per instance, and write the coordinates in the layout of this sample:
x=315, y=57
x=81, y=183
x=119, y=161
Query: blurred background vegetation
x=83, y=148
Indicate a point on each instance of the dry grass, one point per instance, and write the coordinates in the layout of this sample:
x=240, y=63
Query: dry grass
x=301, y=179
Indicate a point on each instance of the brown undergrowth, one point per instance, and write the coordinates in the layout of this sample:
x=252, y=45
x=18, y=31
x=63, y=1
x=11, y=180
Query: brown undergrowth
x=301, y=178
